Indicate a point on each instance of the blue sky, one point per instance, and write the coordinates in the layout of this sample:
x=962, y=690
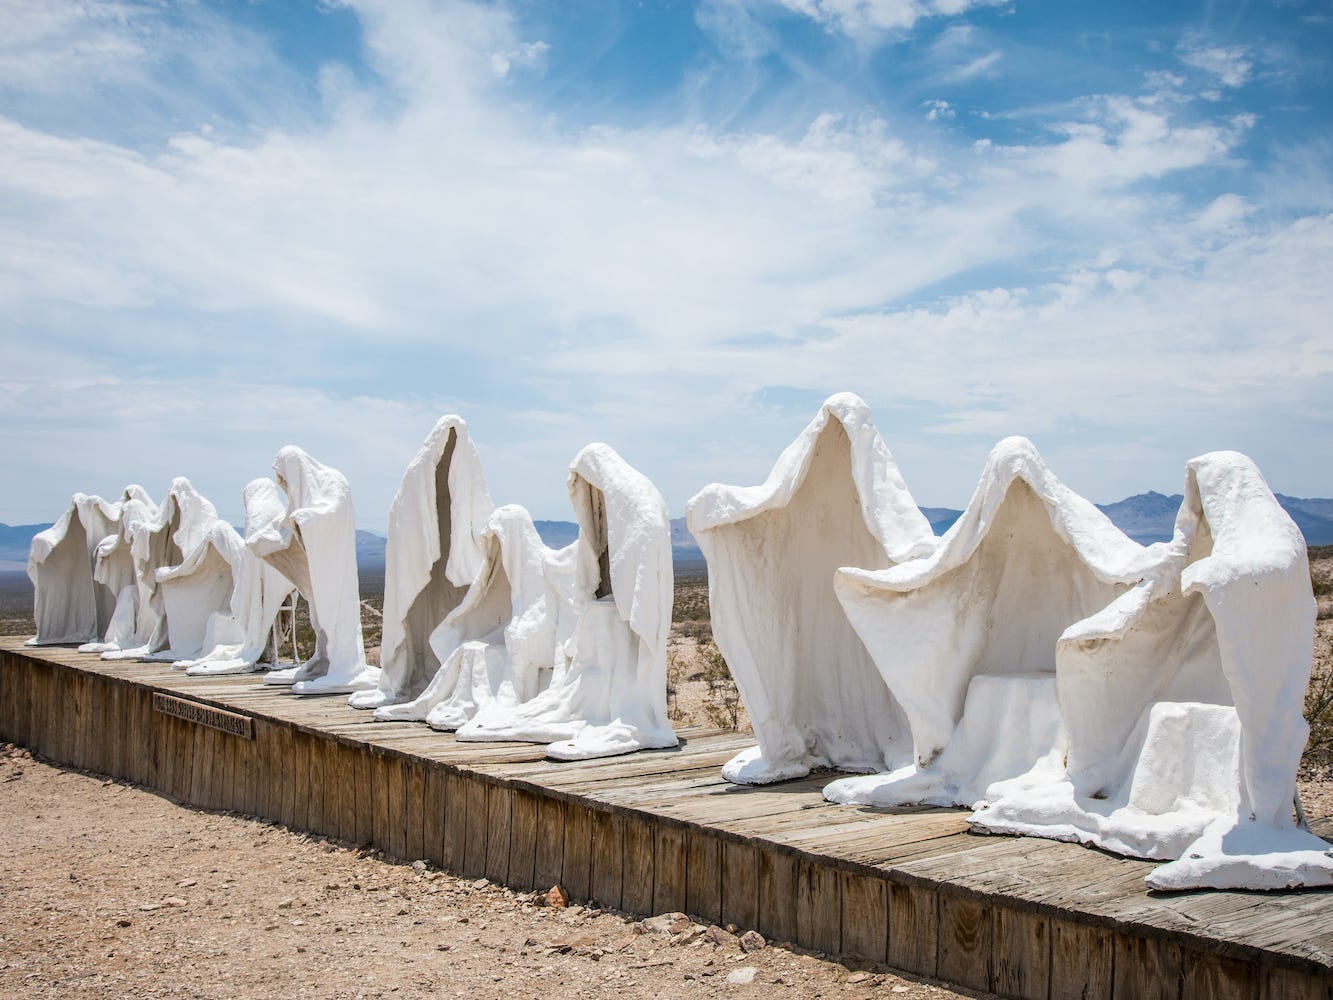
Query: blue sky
x=675, y=227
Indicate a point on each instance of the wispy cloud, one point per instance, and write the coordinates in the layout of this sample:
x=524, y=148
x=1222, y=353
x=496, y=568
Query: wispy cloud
x=1230, y=65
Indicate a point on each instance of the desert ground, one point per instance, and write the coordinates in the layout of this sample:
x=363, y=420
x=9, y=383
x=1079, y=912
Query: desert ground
x=111, y=889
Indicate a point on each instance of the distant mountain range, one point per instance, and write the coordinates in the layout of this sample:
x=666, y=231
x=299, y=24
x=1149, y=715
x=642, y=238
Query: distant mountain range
x=1146, y=518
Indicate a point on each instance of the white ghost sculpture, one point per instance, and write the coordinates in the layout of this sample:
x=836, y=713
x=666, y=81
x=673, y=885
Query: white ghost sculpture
x=834, y=498
x=1182, y=703
x=608, y=686
x=966, y=637
x=114, y=568
x=158, y=539
x=234, y=593
x=498, y=645
x=312, y=542
x=433, y=554
x=70, y=604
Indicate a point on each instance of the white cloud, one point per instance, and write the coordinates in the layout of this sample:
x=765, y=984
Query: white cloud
x=860, y=18
x=938, y=110
x=1230, y=65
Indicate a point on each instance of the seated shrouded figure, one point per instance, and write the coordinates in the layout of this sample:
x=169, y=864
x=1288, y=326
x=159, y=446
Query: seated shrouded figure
x=114, y=567
x=1182, y=702
x=158, y=543
x=228, y=595
x=70, y=603
x=834, y=498
x=433, y=554
x=965, y=638
x=608, y=685
x=498, y=644
x=312, y=542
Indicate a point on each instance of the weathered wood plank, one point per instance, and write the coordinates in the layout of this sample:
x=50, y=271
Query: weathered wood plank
x=777, y=896
x=637, y=871
x=966, y=943
x=414, y=787
x=740, y=885
x=703, y=876
x=1021, y=960
x=522, y=840
x=499, y=815
x=1080, y=962
x=433, y=805
x=550, y=856
x=474, y=860
x=608, y=858
x=316, y=783
x=1285, y=984
x=381, y=814
x=576, y=859
x=1146, y=969
x=669, y=870
x=455, y=823
x=1215, y=977
x=865, y=917
x=395, y=778
x=818, y=907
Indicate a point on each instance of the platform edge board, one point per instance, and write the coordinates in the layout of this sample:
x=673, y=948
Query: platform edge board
x=913, y=906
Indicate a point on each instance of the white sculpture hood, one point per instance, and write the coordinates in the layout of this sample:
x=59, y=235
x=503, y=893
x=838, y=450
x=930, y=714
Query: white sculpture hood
x=313, y=544
x=608, y=690
x=237, y=623
x=1027, y=558
x=157, y=539
x=1183, y=699
x=834, y=498
x=69, y=604
x=499, y=643
x=434, y=553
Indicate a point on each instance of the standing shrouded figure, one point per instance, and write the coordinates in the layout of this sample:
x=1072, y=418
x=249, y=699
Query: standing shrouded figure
x=312, y=542
x=435, y=522
x=608, y=686
x=834, y=498
x=159, y=540
x=70, y=604
x=498, y=644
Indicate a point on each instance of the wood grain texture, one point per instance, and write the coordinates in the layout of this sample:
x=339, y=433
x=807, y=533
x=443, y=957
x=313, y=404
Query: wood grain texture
x=637, y=880
x=608, y=858
x=865, y=917
x=499, y=816
x=703, y=876
x=967, y=936
x=1080, y=962
x=669, y=870
x=740, y=885
x=576, y=860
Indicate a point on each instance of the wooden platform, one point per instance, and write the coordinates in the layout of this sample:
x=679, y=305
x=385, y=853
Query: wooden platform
x=661, y=831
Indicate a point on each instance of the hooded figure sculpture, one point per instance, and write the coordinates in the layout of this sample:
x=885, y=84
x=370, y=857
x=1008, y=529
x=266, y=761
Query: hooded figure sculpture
x=113, y=568
x=498, y=645
x=966, y=637
x=608, y=686
x=69, y=603
x=1182, y=702
x=236, y=595
x=433, y=554
x=313, y=544
x=158, y=543
x=834, y=498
